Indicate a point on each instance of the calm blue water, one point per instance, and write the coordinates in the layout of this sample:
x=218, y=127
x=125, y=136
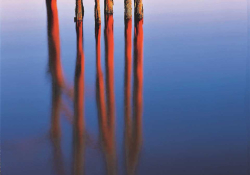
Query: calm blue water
x=194, y=83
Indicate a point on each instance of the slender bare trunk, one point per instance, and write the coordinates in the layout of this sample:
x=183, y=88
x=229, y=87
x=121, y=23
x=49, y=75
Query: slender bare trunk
x=79, y=10
x=128, y=9
x=108, y=6
x=138, y=9
x=97, y=11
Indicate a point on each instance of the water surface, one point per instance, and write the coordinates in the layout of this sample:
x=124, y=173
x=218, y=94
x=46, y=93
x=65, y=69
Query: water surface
x=166, y=95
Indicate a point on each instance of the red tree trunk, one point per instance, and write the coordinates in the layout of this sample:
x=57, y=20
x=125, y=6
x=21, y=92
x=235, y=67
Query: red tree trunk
x=108, y=6
x=138, y=9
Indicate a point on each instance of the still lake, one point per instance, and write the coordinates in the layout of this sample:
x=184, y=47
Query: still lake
x=166, y=95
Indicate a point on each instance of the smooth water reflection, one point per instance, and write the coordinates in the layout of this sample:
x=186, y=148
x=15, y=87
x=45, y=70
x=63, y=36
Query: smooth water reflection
x=105, y=95
x=57, y=82
x=179, y=109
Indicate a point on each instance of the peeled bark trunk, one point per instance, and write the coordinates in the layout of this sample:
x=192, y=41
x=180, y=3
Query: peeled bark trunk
x=138, y=9
x=97, y=11
x=128, y=9
x=79, y=10
x=108, y=6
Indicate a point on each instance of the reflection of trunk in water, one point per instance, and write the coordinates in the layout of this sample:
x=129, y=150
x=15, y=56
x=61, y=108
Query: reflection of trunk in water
x=109, y=64
x=78, y=124
x=100, y=89
x=106, y=112
x=55, y=70
x=133, y=127
x=138, y=84
x=127, y=88
x=128, y=58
